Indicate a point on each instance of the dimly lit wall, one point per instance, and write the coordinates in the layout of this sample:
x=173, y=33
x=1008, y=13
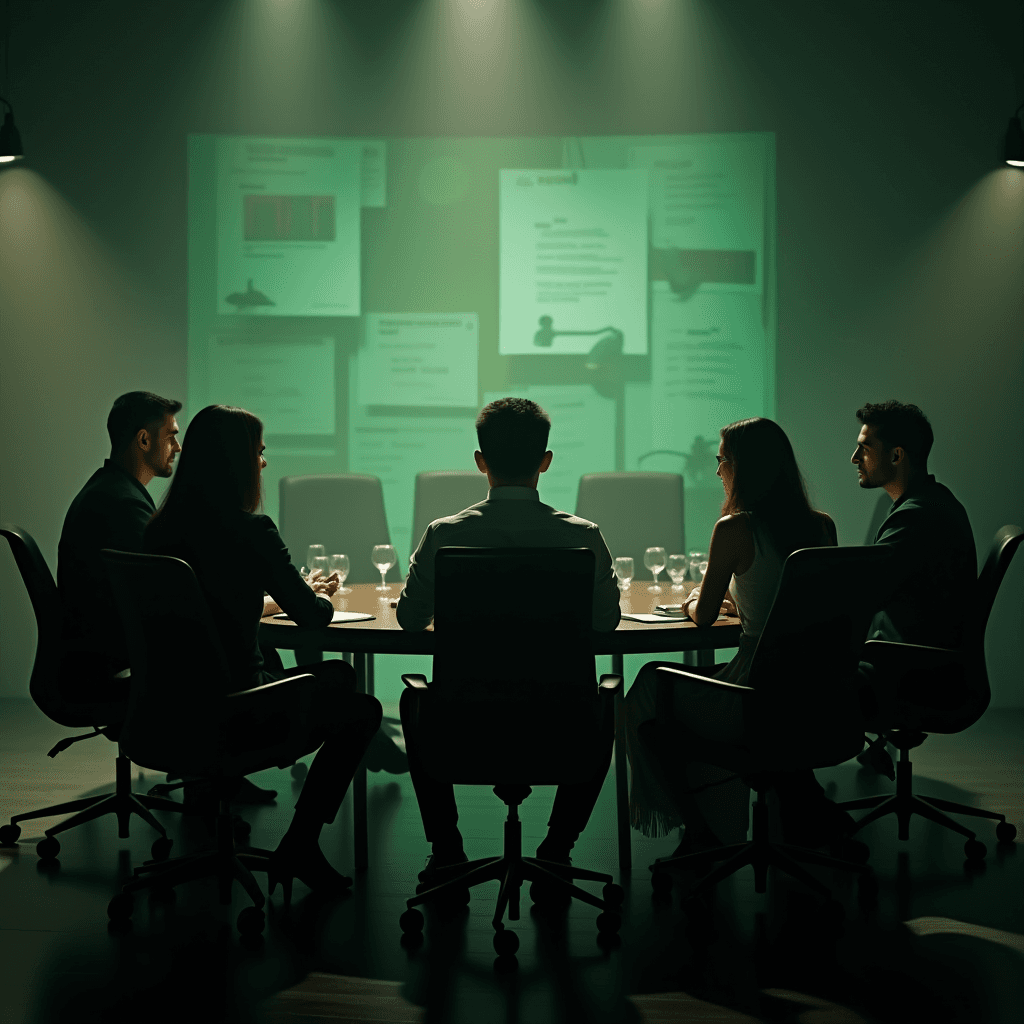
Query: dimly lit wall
x=901, y=267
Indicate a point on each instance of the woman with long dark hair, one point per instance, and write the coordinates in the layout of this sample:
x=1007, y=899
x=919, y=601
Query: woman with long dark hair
x=766, y=515
x=209, y=519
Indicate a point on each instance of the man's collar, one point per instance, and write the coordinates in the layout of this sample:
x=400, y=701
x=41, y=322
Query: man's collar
x=108, y=464
x=513, y=494
x=922, y=483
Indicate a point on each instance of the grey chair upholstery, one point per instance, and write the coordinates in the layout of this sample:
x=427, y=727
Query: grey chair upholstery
x=635, y=511
x=103, y=718
x=443, y=493
x=342, y=511
x=911, y=673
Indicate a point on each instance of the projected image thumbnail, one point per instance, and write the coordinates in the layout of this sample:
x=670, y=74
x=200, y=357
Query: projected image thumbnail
x=249, y=299
x=288, y=218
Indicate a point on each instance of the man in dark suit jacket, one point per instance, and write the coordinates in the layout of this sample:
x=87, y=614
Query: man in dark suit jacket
x=929, y=537
x=110, y=511
x=513, y=435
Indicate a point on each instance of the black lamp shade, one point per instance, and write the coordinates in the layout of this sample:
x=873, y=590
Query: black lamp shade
x=10, y=140
x=1013, y=150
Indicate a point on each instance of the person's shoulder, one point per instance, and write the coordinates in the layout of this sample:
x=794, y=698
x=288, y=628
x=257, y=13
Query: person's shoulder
x=735, y=524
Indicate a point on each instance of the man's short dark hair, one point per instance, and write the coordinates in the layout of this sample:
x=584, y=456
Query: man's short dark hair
x=899, y=425
x=513, y=437
x=132, y=412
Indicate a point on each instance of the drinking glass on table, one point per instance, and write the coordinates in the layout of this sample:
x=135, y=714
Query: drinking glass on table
x=702, y=568
x=383, y=557
x=322, y=563
x=677, y=569
x=339, y=564
x=624, y=572
x=313, y=551
x=695, y=558
x=655, y=559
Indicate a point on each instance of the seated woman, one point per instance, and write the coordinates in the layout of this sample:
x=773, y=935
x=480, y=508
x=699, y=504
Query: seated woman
x=765, y=516
x=208, y=519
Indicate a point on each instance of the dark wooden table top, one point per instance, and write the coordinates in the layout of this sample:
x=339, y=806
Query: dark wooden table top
x=383, y=635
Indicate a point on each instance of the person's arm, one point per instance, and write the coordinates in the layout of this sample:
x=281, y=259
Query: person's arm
x=731, y=542
x=606, y=612
x=829, y=528
x=288, y=590
x=415, y=609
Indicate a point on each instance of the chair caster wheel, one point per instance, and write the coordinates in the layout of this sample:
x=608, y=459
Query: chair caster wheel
x=10, y=834
x=506, y=942
x=299, y=771
x=974, y=849
x=1005, y=832
x=48, y=848
x=161, y=848
x=613, y=894
x=411, y=922
x=121, y=906
x=608, y=922
x=661, y=881
x=252, y=921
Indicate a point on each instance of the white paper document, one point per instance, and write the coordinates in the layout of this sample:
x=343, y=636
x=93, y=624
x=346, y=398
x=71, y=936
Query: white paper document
x=419, y=359
x=288, y=226
x=287, y=381
x=573, y=260
x=707, y=194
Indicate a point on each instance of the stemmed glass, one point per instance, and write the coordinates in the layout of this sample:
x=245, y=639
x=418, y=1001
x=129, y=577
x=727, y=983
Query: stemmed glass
x=654, y=559
x=383, y=557
x=320, y=562
x=703, y=568
x=339, y=564
x=312, y=552
x=696, y=557
x=677, y=568
x=624, y=572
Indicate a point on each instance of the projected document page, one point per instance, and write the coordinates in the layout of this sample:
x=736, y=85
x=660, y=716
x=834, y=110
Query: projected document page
x=419, y=359
x=707, y=194
x=573, y=264
x=288, y=226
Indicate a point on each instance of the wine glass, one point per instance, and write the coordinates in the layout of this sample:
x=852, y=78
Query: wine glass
x=322, y=563
x=339, y=564
x=624, y=572
x=313, y=551
x=703, y=568
x=655, y=559
x=677, y=569
x=695, y=558
x=383, y=557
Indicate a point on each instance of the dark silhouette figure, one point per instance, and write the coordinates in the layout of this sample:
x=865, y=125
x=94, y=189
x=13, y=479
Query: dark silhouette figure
x=110, y=511
x=513, y=434
x=209, y=520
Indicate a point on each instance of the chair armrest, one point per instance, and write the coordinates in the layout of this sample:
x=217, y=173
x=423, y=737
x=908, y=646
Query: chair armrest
x=718, y=684
x=888, y=656
x=415, y=681
x=610, y=684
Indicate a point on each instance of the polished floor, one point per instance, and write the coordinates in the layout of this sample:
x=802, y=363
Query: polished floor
x=942, y=943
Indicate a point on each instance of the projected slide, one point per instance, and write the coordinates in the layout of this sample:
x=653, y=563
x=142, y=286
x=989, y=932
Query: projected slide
x=573, y=261
x=419, y=359
x=288, y=216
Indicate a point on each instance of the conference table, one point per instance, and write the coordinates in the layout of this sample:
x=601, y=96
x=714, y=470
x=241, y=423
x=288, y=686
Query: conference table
x=383, y=635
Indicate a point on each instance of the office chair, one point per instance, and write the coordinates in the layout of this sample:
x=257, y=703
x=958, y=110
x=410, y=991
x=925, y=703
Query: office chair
x=444, y=493
x=635, y=511
x=801, y=709
x=513, y=662
x=174, y=714
x=103, y=718
x=915, y=670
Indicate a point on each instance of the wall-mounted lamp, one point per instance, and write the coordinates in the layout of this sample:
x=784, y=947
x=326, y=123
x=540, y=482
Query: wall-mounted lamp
x=10, y=137
x=1013, y=149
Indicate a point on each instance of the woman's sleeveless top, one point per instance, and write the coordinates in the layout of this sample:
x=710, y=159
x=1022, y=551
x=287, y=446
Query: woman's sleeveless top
x=754, y=591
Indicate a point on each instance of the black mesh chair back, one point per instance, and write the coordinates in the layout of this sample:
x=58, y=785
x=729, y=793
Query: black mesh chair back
x=514, y=697
x=342, y=511
x=179, y=672
x=42, y=592
x=443, y=493
x=804, y=673
x=635, y=511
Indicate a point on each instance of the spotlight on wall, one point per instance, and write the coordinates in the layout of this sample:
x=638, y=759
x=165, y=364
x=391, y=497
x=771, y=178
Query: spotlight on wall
x=10, y=137
x=1013, y=148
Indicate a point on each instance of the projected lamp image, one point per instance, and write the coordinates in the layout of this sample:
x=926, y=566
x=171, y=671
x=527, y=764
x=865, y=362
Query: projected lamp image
x=544, y=337
x=248, y=299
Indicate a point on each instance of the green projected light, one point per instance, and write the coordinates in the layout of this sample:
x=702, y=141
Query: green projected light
x=365, y=297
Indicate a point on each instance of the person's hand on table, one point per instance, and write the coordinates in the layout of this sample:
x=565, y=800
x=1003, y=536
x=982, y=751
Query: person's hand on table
x=690, y=602
x=327, y=586
x=729, y=607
